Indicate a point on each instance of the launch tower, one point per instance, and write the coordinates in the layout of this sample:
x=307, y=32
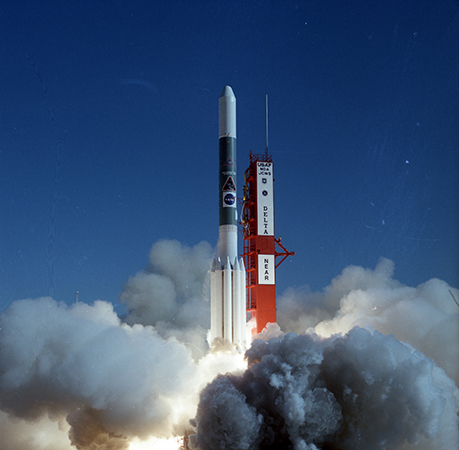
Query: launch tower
x=260, y=252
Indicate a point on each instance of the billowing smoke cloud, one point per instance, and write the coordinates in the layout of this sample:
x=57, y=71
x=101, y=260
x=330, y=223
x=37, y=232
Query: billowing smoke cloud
x=172, y=294
x=425, y=317
x=80, y=377
x=40, y=434
x=360, y=391
x=111, y=380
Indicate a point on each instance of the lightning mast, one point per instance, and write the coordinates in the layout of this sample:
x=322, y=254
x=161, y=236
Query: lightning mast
x=261, y=249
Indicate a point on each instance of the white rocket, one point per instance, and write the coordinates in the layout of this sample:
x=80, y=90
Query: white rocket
x=227, y=281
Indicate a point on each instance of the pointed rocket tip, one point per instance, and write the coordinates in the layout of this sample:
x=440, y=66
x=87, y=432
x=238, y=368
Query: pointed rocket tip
x=216, y=264
x=227, y=264
x=227, y=92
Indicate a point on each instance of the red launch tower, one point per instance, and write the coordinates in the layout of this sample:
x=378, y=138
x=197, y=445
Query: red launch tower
x=260, y=252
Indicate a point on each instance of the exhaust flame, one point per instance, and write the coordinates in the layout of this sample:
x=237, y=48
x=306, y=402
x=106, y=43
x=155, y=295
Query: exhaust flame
x=155, y=443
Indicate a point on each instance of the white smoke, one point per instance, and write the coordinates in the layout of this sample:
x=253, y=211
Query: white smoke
x=425, y=317
x=82, y=362
x=172, y=293
x=80, y=377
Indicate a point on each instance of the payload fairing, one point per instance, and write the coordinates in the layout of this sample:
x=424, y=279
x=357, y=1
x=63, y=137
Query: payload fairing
x=228, y=289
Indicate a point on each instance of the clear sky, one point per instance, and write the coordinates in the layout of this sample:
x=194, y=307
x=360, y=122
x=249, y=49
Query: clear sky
x=109, y=122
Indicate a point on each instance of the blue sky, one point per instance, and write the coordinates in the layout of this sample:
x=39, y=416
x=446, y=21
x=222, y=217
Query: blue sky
x=108, y=135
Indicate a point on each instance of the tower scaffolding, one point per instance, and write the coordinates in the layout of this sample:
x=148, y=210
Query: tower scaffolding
x=261, y=250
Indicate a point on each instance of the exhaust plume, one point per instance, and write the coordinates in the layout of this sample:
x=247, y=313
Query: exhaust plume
x=108, y=378
x=351, y=388
x=81, y=377
x=424, y=317
x=358, y=391
x=171, y=293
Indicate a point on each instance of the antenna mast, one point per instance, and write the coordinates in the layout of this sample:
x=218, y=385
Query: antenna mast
x=266, y=151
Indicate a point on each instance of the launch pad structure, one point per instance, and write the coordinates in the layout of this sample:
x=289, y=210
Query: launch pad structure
x=261, y=249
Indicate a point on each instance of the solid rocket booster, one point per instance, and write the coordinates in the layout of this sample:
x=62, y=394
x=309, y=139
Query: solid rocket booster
x=228, y=311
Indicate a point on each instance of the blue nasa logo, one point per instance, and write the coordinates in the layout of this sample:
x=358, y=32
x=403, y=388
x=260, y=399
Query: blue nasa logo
x=229, y=199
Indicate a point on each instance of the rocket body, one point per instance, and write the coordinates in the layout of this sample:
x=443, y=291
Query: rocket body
x=227, y=236
x=228, y=309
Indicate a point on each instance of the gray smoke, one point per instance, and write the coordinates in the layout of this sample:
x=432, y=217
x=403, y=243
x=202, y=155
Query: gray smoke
x=359, y=391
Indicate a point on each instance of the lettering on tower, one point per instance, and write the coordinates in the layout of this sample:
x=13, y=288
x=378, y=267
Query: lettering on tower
x=265, y=199
x=266, y=269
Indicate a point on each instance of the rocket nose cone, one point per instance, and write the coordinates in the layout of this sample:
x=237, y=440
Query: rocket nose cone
x=227, y=92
